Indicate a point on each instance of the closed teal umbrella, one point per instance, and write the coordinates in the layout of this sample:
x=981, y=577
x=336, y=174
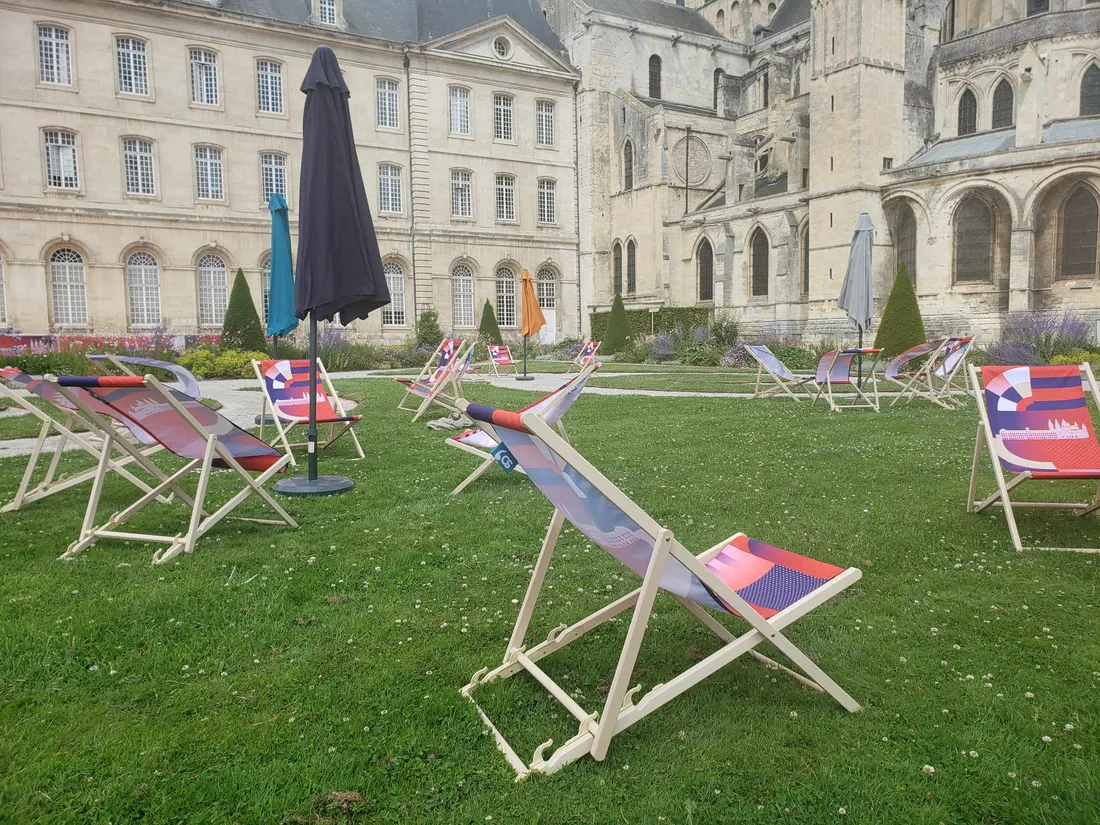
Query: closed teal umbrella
x=281, y=320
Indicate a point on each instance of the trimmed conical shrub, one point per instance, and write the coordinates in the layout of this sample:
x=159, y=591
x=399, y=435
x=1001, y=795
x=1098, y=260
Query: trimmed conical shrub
x=901, y=326
x=489, y=331
x=428, y=333
x=241, y=329
x=618, y=328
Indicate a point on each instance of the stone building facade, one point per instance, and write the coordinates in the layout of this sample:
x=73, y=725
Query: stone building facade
x=728, y=146
x=139, y=140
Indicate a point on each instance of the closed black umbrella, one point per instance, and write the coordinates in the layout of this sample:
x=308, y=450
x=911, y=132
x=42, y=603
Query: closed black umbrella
x=339, y=270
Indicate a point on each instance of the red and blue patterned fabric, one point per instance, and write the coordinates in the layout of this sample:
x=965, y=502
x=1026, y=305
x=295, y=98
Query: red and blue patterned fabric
x=1041, y=422
x=587, y=353
x=185, y=382
x=768, y=578
x=287, y=384
x=955, y=352
x=501, y=356
x=893, y=368
x=835, y=366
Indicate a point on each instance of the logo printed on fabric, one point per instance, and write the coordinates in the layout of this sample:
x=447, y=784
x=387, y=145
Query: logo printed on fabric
x=503, y=456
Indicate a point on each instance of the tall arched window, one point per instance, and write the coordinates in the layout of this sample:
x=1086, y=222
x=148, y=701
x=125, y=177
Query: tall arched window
x=706, y=271
x=393, y=314
x=1080, y=222
x=1004, y=107
x=462, y=296
x=265, y=286
x=631, y=268
x=717, y=85
x=905, y=240
x=628, y=166
x=760, y=250
x=617, y=269
x=1090, y=91
x=213, y=291
x=68, y=289
x=143, y=285
x=546, y=288
x=968, y=113
x=973, y=240
x=806, y=261
x=720, y=21
x=655, y=77
x=506, y=296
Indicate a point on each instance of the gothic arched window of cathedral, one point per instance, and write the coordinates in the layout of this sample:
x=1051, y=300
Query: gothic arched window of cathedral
x=760, y=248
x=706, y=271
x=1090, y=91
x=973, y=240
x=968, y=113
x=1080, y=224
x=655, y=77
x=1003, y=105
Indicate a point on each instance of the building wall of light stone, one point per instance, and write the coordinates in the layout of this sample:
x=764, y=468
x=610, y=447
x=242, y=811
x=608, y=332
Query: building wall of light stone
x=105, y=226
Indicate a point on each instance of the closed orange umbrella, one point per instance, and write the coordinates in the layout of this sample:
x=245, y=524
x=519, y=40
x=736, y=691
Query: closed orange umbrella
x=532, y=319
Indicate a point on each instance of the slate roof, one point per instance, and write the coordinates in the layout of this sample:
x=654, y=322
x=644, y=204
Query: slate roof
x=790, y=13
x=403, y=21
x=656, y=12
x=972, y=146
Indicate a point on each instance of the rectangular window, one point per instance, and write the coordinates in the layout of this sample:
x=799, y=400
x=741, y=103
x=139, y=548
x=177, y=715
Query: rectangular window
x=387, y=104
x=393, y=314
x=887, y=163
x=460, y=111
x=462, y=296
x=506, y=297
x=502, y=117
x=208, y=174
x=548, y=201
x=269, y=86
x=138, y=159
x=389, y=188
x=54, y=56
x=133, y=71
x=61, y=172
x=326, y=12
x=273, y=175
x=544, y=123
x=462, y=201
x=506, y=198
x=204, y=77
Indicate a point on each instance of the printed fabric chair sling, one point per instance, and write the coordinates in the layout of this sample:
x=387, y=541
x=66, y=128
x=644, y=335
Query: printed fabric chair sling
x=500, y=359
x=190, y=430
x=431, y=373
x=585, y=357
x=285, y=386
x=767, y=587
x=953, y=365
x=784, y=380
x=1035, y=424
x=482, y=441
x=835, y=369
x=64, y=424
x=185, y=381
x=916, y=382
x=444, y=385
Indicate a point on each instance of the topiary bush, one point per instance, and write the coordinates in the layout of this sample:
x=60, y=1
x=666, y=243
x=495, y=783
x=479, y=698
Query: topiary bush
x=428, y=332
x=901, y=326
x=204, y=362
x=241, y=329
x=618, y=328
x=489, y=331
x=643, y=323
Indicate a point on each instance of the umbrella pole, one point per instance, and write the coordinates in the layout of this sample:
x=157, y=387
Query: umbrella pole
x=859, y=360
x=275, y=345
x=525, y=376
x=312, y=484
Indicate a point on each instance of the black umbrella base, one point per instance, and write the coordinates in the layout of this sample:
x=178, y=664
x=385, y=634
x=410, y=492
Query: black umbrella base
x=320, y=486
x=525, y=378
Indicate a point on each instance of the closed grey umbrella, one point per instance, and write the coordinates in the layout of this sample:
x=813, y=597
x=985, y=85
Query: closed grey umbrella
x=857, y=296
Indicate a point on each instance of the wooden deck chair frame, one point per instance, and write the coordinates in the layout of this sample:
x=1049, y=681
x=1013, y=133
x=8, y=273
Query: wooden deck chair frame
x=200, y=521
x=487, y=459
x=125, y=365
x=863, y=402
x=445, y=391
x=947, y=394
x=426, y=372
x=780, y=385
x=621, y=709
x=576, y=362
x=919, y=383
x=284, y=426
x=1001, y=496
x=498, y=370
x=65, y=429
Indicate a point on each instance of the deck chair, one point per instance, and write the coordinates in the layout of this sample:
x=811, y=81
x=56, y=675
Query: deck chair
x=500, y=359
x=185, y=381
x=1035, y=424
x=445, y=387
x=188, y=429
x=952, y=366
x=918, y=382
x=482, y=441
x=766, y=587
x=835, y=369
x=285, y=386
x=63, y=420
x=768, y=363
x=585, y=357
x=424, y=388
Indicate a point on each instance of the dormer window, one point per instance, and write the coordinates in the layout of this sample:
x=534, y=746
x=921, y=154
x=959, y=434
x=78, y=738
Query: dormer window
x=326, y=12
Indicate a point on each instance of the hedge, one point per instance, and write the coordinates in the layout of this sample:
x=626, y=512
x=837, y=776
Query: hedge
x=666, y=319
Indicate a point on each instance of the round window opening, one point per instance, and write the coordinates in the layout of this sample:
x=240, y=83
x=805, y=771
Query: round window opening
x=502, y=48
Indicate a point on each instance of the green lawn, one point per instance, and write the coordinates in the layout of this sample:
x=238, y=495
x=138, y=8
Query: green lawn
x=274, y=670
x=680, y=381
x=607, y=366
